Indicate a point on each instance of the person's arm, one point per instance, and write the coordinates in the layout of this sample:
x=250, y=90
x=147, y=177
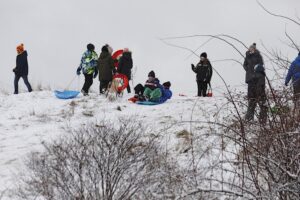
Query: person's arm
x=210, y=72
x=289, y=74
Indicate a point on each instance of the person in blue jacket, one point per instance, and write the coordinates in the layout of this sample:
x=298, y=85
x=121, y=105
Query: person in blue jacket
x=294, y=74
x=166, y=93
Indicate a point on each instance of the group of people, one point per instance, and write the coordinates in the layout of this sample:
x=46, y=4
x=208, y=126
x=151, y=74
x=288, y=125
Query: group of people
x=103, y=66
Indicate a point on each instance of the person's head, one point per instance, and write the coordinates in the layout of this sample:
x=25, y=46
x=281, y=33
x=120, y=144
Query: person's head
x=167, y=84
x=299, y=53
x=252, y=48
x=125, y=50
x=104, y=49
x=203, y=56
x=90, y=47
x=20, y=48
x=151, y=75
x=109, y=48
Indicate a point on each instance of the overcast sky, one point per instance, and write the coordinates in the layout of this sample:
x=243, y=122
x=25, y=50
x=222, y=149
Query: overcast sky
x=55, y=34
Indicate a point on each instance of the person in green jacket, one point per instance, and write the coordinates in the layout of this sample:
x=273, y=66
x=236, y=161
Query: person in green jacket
x=88, y=66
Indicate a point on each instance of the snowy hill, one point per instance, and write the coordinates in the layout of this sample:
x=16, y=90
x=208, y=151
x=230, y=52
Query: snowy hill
x=28, y=119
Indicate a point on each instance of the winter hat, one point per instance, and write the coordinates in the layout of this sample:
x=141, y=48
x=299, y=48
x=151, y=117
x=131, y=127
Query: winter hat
x=20, y=48
x=104, y=49
x=167, y=84
x=125, y=50
x=253, y=46
x=151, y=74
x=90, y=47
x=204, y=54
x=299, y=53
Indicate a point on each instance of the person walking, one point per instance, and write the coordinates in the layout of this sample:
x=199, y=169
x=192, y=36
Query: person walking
x=88, y=66
x=204, y=73
x=294, y=74
x=21, y=69
x=125, y=66
x=106, y=68
x=255, y=78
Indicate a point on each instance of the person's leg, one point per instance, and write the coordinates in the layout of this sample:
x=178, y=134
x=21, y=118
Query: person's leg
x=204, y=89
x=199, y=88
x=147, y=92
x=262, y=101
x=252, y=101
x=16, y=81
x=155, y=94
x=89, y=81
x=128, y=89
x=296, y=88
x=87, y=84
x=25, y=79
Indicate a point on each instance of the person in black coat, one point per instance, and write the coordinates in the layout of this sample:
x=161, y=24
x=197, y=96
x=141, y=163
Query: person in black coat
x=21, y=69
x=255, y=78
x=125, y=65
x=204, y=73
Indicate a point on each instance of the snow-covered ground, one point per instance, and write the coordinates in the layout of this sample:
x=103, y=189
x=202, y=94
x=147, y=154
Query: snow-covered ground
x=28, y=119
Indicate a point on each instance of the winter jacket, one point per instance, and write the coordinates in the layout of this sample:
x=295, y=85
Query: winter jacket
x=125, y=64
x=21, y=64
x=166, y=94
x=203, y=70
x=294, y=72
x=106, y=67
x=251, y=60
x=152, y=84
x=88, y=63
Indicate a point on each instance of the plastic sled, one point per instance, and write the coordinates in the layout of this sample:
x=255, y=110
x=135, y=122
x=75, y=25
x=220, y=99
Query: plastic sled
x=147, y=103
x=66, y=94
x=116, y=56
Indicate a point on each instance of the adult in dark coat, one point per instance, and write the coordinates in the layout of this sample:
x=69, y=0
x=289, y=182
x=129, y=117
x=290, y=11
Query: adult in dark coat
x=21, y=69
x=125, y=65
x=255, y=78
x=204, y=73
x=106, y=68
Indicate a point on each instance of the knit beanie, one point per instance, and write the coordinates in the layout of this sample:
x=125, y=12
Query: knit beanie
x=90, y=47
x=20, y=48
x=151, y=74
x=204, y=54
x=125, y=50
x=299, y=53
x=109, y=48
x=167, y=84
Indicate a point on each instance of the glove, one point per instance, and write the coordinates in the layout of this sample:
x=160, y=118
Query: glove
x=78, y=71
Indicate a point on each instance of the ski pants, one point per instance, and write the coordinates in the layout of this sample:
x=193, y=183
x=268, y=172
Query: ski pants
x=88, y=81
x=16, y=83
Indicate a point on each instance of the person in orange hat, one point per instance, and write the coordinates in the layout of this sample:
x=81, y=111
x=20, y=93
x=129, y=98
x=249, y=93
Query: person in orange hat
x=21, y=69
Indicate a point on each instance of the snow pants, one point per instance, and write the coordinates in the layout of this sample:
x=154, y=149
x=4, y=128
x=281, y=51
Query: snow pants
x=16, y=83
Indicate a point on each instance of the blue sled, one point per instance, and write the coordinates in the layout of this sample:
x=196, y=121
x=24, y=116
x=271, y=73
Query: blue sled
x=66, y=94
x=147, y=103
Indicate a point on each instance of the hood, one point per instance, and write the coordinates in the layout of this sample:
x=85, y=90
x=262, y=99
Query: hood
x=297, y=59
x=104, y=55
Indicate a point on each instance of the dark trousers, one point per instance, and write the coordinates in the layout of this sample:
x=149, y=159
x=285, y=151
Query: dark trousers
x=296, y=88
x=202, y=88
x=16, y=83
x=88, y=81
x=128, y=88
x=103, y=86
x=257, y=95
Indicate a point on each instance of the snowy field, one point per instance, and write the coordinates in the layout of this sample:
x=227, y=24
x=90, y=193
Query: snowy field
x=28, y=119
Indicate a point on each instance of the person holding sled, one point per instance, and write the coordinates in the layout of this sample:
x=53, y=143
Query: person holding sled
x=106, y=68
x=294, y=74
x=255, y=78
x=21, y=69
x=88, y=66
x=125, y=66
x=204, y=73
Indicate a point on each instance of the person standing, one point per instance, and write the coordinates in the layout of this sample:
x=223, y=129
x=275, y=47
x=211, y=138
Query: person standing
x=294, y=74
x=106, y=68
x=255, y=78
x=204, y=73
x=88, y=66
x=21, y=69
x=125, y=66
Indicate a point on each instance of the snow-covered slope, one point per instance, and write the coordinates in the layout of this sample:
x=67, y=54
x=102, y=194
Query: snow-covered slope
x=28, y=119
